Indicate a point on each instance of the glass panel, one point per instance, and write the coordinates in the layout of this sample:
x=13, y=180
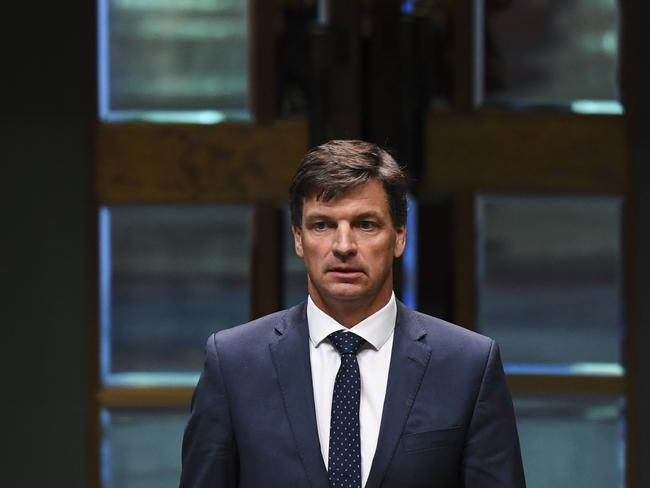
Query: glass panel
x=141, y=448
x=184, y=60
x=540, y=52
x=571, y=442
x=170, y=276
x=410, y=257
x=549, y=284
x=295, y=277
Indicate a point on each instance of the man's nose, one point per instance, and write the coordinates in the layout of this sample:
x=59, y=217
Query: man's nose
x=344, y=242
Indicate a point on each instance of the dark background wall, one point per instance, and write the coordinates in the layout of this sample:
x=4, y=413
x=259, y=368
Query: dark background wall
x=639, y=271
x=45, y=121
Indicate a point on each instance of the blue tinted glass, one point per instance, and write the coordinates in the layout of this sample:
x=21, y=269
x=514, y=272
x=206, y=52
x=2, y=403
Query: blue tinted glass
x=410, y=256
x=541, y=52
x=170, y=277
x=571, y=442
x=141, y=448
x=549, y=282
x=185, y=60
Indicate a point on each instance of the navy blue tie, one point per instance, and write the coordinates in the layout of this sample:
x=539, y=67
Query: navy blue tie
x=344, y=465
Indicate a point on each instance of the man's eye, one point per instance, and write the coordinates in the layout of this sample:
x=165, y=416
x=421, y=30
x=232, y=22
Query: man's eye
x=320, y=226
x=367, y=225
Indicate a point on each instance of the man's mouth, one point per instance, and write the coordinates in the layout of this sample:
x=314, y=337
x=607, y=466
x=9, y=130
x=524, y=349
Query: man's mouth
x=345, y=272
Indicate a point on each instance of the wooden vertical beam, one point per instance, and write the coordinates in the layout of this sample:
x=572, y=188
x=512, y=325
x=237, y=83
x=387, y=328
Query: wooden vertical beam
x=465, y=262
x=469, y=22
x=383, y=75
x=267, y=265
x=344, y=76
x=435, y=257
x=263, y=20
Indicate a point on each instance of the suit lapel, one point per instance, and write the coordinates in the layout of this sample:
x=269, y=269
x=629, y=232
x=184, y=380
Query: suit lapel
x=409, y=360
x=290, y=354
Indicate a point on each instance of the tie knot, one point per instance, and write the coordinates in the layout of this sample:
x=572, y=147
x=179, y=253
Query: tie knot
x=346, y=342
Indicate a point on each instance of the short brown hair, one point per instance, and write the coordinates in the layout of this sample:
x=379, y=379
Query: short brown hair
x=336, y=167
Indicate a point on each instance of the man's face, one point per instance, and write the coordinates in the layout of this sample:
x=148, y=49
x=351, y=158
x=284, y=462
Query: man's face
x=348, y=245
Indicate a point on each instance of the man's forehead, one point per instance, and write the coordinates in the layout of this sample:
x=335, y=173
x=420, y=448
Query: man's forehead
x=371, y=187
x=371, y=194
x=350, y=212
x=363, y=201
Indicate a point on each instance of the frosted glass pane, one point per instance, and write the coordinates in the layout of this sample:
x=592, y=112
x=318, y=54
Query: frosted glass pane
x=549, y=283
x=542, y=52
x=141, y=448
x=575, y=442
x=163, y=57
x=170, y=277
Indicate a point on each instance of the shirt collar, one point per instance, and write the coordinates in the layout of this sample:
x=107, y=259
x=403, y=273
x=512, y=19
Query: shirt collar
x=375, y=329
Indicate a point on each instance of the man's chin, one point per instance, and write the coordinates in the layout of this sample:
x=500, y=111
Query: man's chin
x=346, y=292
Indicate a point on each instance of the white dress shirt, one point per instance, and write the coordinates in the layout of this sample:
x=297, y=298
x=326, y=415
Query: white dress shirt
x=374, y=362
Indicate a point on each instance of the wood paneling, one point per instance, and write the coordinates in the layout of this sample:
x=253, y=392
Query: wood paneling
x=468, y=63
x=525, y=152
x=180, y=397
x=344, y=76
x=151, y=397
x=559, y=384
x=223, y=163
x=264, y=22
x=267, y=260
x=464, y=257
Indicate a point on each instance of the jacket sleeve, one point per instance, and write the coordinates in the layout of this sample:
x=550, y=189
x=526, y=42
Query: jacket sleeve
x=209, y=456
x=491, y=457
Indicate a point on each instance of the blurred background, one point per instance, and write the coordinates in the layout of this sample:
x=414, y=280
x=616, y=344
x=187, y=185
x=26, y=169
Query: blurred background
x=148, y=147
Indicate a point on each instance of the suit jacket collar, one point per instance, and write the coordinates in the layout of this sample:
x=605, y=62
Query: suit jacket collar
x=290, y=353
x=408, y=363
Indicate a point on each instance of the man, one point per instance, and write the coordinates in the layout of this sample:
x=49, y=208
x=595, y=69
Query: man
x=351, y=388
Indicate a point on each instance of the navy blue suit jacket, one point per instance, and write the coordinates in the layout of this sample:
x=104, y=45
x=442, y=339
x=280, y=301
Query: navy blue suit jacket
x=447, y=422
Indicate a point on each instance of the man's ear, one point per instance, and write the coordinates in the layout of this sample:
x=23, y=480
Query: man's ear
x=400, y=241
x=297, y=239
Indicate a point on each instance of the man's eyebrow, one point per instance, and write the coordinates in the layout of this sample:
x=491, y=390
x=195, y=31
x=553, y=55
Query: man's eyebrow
x=371, y=214
x=317, y=216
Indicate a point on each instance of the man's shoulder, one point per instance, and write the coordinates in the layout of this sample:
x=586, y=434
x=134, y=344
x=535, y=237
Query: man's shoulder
x=256, y=331
x=436, y=331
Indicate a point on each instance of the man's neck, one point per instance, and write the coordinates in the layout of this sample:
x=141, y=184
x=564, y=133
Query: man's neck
x=350, y=313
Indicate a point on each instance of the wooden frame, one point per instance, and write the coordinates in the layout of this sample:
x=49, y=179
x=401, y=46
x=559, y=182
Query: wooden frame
x=147, y=164
x=468, y=31
x=140, y=163
x=263, y=22
x=546, y=152
x=139, y=397
x=232, y=162
x=225, y=163
x=180, y=397
x=267, y=260
x=565, y=384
